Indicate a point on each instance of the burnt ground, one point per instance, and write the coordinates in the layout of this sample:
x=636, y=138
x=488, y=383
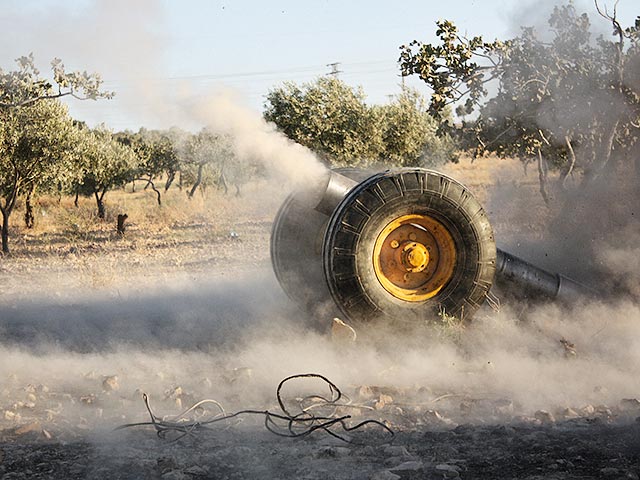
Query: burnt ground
x=582, y=449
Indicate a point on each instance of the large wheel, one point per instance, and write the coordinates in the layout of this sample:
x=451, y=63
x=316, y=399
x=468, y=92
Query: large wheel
x=406, y=244
x=296, y=249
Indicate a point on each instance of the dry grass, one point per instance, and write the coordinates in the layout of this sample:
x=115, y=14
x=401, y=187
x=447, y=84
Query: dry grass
x=70, y=246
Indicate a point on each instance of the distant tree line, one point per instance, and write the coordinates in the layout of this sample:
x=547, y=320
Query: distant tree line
x=44, y=151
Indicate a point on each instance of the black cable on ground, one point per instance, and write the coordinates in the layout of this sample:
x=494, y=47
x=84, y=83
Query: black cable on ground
x=283, y=424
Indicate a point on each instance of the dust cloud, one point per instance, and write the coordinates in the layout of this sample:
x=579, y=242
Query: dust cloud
x=255, y=139
x=215, y=341
x=235, y=338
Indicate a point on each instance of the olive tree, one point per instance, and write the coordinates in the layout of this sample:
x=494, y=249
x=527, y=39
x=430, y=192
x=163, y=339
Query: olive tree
x=105, y=164
x=157, y=156
x=203, y=159
x=333, y=120
x=35, y=130
x=570, y=101
x=329, y=117
x=25, y=86
x=409, y=136
x=35, y=141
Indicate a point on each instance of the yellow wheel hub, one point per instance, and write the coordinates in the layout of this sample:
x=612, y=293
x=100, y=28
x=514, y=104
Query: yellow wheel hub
x=414, y=257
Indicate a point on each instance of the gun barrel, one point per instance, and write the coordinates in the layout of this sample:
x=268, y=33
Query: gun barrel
x=535, y=282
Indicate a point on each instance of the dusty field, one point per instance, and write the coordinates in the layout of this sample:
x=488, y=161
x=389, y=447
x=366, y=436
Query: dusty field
x=182, y=309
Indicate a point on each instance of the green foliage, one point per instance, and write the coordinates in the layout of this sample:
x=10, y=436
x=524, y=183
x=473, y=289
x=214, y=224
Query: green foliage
x=329, y=117
x=156, y=152
x=333, y=120
x=410, y=135
x=105, y=164
x=570, y=101
x=36, y=144
x=204, y=158
x=24, y=86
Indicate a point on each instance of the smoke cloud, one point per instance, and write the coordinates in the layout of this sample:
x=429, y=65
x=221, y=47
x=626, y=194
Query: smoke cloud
x=235, y=339
x=255, y=139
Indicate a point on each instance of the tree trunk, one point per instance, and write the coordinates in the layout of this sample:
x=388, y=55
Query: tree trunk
x=29, y=217
x=75, y=200
x=159, y=198
x=100, y=203
x=542, y=178
x=153, y=187
x=120, y=227
x=170, y=178
x=197, y=182
x=5, y=231
x=223, y=182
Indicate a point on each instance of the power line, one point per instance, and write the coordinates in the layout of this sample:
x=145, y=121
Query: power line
x=334, y=69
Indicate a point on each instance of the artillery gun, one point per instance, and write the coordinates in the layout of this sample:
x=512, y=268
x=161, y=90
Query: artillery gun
x=399, y=244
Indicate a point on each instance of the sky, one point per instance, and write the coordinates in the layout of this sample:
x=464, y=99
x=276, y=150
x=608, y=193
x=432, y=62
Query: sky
x=154, y=54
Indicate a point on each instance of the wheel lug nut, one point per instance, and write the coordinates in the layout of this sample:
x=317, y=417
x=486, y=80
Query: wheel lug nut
x=394, y=244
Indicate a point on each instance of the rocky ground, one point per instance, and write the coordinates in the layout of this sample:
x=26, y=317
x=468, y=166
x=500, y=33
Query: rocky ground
x=193, y=312
x=590, y=446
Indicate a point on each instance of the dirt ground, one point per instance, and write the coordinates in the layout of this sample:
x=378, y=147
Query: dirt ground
x=185, y=308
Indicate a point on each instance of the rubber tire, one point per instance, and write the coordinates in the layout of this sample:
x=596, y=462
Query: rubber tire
x=296, y=250
x=363, y=214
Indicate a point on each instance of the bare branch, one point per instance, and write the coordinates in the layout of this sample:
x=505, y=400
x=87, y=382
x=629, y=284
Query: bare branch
x=572, y=162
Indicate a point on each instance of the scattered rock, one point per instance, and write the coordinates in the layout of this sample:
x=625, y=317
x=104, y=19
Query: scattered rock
x=364, y=392
x=342, y=333
x=410, y=466
x=110, y=383
x=382, y=401
x=544, y=417
x=396, y=451
x=197, y=471
x=569, y=348
x=588, y=410
x=604, y=411
x=569, y=413
x=173, y=393
x=88, y=399
x=449, y=471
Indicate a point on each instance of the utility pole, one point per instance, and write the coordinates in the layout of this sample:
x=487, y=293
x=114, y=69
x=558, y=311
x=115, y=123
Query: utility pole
x=334, y=69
